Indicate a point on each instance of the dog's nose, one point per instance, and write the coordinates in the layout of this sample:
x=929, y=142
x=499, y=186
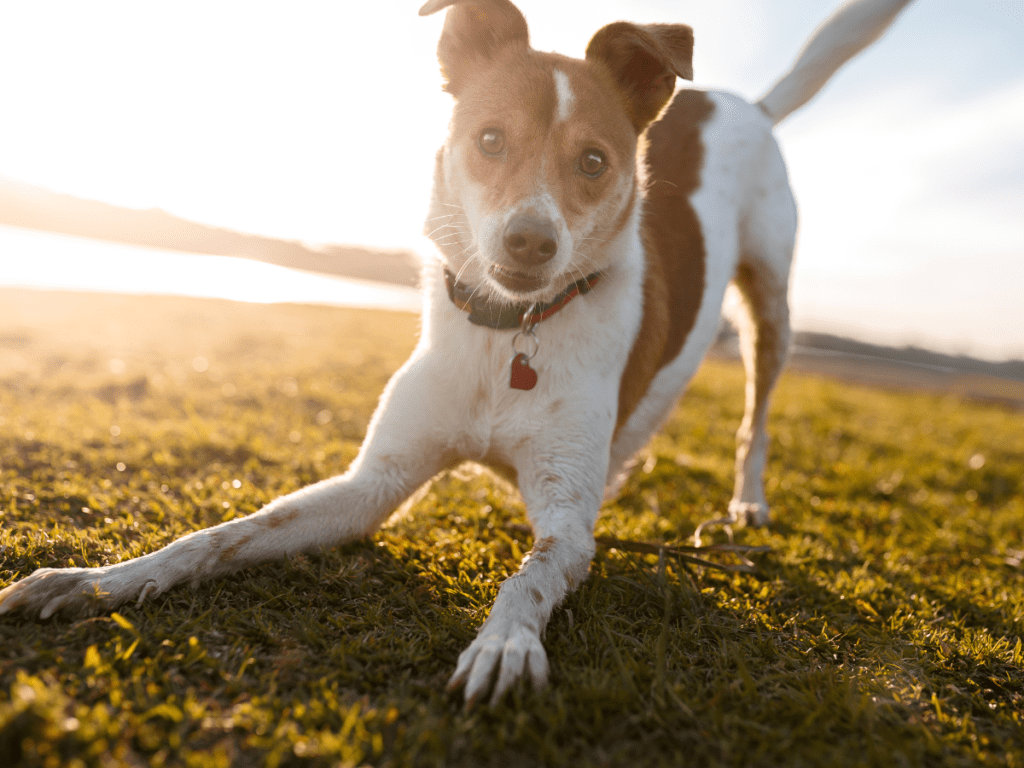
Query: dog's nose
x=531, y=240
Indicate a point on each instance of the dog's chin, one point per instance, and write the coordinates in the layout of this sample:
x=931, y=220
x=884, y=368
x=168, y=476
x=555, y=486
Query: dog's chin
x=517, y=285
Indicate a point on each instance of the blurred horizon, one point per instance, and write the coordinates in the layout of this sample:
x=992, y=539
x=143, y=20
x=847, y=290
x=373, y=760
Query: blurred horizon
x=60, y=262
x=305, y=125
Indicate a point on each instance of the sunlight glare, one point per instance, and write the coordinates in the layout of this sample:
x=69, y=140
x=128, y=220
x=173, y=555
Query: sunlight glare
x=237, y=114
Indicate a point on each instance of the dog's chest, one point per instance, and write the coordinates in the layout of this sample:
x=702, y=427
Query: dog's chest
x=578, y=356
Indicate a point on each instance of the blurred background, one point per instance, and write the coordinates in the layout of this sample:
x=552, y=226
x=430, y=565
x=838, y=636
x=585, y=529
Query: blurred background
x=135, y=136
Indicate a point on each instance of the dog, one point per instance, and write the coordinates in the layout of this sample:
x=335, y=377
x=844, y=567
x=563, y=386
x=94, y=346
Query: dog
x=588, y=222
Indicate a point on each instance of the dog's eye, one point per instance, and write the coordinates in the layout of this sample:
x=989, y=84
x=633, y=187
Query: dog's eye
x=491, y=141
x=592, y=163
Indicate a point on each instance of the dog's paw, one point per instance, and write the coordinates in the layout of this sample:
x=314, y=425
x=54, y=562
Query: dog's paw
x=512, y=652
x=49, y=590
x=750, y=513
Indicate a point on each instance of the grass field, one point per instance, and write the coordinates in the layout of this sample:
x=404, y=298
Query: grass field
x=884, y=627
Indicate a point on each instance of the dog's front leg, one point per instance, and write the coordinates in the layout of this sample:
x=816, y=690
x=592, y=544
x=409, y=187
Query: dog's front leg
x=400, y=453
x=562, y=499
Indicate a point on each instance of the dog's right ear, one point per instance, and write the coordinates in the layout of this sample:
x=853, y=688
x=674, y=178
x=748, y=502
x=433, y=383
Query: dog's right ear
x=474, y=30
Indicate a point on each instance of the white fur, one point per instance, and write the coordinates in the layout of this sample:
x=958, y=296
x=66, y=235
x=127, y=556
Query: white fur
x=451, y=401
x=566, y=98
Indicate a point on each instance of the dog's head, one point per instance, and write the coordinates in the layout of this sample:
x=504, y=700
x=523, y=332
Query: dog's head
x=539, y=170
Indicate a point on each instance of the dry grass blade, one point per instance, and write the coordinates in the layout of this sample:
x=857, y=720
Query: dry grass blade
x=688, y=553
x=681, y=551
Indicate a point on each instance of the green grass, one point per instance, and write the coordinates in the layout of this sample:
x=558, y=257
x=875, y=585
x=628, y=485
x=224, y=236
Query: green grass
x=884, y=627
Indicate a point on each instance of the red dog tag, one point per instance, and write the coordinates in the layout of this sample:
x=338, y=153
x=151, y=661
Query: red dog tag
x=523, y=376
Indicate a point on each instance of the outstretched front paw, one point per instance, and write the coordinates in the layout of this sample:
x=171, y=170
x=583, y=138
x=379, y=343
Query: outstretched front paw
x=49, y=590
x=512, y=651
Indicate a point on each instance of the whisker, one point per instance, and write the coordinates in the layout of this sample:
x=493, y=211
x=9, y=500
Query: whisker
x=465, y=265
x=449, y=221
x=454, y=227
x=447, y=238
x=447, y=224
x=448, y=216
x=446, y=234
x=586, y=259
x=466, y=249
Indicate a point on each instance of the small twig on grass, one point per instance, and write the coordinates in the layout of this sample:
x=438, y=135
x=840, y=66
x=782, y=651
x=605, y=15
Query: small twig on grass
x=685, y=553
x=746, y=565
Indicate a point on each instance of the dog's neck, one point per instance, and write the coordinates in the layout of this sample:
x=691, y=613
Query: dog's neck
x=484, y=309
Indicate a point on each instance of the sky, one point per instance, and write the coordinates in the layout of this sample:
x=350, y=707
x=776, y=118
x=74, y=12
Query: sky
x=319, y=121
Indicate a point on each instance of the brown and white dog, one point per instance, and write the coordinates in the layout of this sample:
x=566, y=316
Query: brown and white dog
x=588, y=225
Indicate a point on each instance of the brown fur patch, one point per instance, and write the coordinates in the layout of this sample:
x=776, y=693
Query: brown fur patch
x=473, y=33
x=228, y=553
x=645, y=60
x=540, y=546
x=479, y=401
x=674, y=245
x=537, y=595
x=277, y=519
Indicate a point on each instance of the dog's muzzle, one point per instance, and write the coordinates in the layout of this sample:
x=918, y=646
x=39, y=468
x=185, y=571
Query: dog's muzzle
x=530, y=242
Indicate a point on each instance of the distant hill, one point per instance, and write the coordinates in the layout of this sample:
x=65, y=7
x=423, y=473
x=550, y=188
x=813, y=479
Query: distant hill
x=899, y=368
x=32, y=207
x=807, y=344
x=25, y=205
x=912, y=356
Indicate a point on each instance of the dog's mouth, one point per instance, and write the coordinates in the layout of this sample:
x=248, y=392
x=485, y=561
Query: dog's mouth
x=517, y=282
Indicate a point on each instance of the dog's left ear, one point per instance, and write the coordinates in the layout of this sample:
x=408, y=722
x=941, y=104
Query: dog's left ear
x=474, y=30
x=645, y=61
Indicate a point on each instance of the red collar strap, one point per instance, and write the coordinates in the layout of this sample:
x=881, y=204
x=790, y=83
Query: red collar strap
x=484, y=310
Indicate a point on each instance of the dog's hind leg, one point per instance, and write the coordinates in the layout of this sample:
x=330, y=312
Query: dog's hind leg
x=759, y=306
x=763, y=323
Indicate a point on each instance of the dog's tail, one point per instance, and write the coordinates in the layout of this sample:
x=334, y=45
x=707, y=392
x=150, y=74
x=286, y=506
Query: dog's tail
x=846, y=33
